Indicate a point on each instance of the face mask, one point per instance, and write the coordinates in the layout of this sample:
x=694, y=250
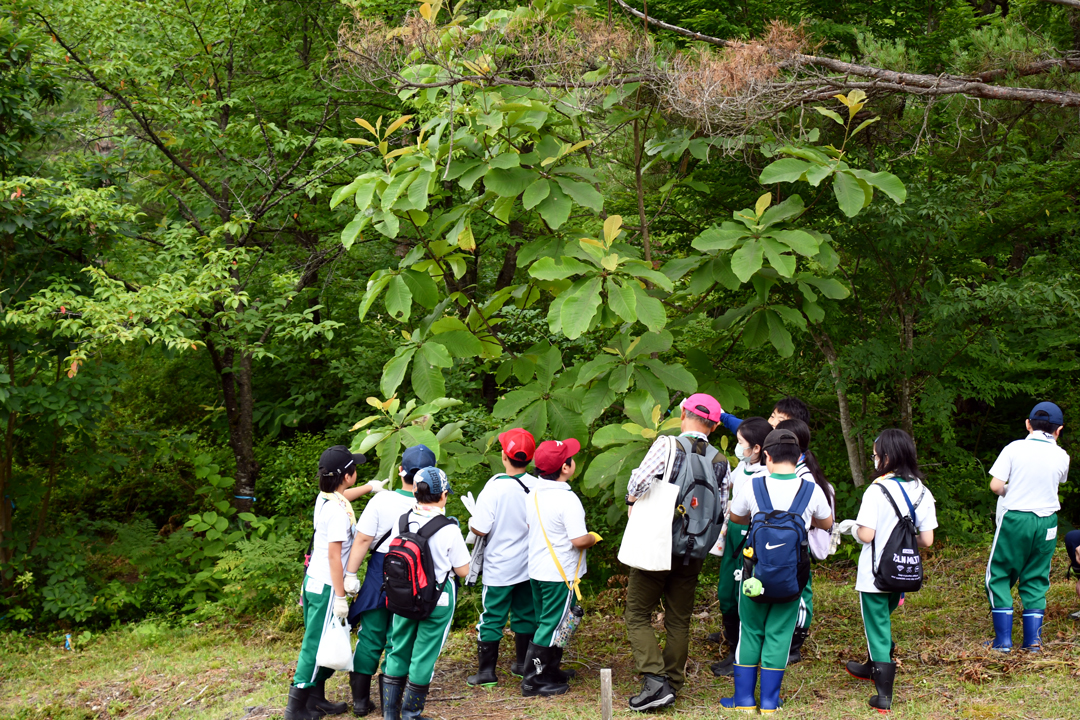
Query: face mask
x=740, y=452
x=877, y=463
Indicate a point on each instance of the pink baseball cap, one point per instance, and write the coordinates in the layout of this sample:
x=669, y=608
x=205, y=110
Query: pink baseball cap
x=704, y=405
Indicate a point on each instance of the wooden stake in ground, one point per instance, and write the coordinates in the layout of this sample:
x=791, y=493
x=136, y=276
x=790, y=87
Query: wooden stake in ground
x=605, y=694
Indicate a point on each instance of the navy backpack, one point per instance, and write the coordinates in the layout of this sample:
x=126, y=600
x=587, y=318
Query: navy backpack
x=776, y=545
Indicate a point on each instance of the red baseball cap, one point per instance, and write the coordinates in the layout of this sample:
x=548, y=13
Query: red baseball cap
x=704, y=405
x=553, y=454
x=518, y=444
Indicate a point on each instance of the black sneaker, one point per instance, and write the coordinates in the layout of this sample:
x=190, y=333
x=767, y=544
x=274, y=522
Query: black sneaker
x=655, y=693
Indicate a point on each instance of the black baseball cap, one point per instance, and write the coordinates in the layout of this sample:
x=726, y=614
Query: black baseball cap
x=339, y=460
x=780, y=437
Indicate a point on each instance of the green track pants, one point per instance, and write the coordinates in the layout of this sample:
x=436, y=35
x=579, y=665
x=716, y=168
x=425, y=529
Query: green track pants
x=1023, y=548
x=372, y=639
x=727, y=589
x=877, y=609
x=551, y=600
x=765, y=631
x=317, y=613
x=507, y=601
x=415, y=644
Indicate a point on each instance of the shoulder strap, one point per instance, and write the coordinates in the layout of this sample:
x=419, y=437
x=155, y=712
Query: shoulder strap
x=433, y=526
x=500, y=476
x=581, y=553
x=802, y=498
x=403, y=523
x=895, y=507
x=904, y=493
x=761, y=494
x=669, y=460
x=380, y=541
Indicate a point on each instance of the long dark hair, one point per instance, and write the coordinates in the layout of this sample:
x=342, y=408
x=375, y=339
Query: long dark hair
x=802, y=432
x=897, y=452
x=754, y=431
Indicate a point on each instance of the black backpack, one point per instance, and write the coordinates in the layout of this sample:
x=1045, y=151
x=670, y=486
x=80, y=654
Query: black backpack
x=409, y=582
x=900, y=567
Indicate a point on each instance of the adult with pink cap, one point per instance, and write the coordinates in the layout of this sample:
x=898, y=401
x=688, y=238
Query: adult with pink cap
x=701, y=473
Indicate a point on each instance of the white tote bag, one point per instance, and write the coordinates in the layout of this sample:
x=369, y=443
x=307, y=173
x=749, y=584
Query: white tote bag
x=646, y=542
x=335, y=646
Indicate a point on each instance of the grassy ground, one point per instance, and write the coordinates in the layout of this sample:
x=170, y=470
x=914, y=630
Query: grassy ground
x=151, y=670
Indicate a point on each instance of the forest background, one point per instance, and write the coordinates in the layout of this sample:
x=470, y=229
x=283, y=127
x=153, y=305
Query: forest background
x=234, y=233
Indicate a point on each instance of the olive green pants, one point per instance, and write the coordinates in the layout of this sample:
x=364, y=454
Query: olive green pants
x=372, y=635
x=765, y=631
x=551, y=600
x=877, y=610
x=676, y=587
x=416, y=644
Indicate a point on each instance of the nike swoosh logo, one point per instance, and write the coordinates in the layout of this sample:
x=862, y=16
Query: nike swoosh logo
x=773, y=547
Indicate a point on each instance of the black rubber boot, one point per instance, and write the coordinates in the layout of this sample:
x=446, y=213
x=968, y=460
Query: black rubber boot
x=391, y=688
x=559, y=672
x=317, y=700
x=538, y=679
x=361, y=694
x=521, y=649
x=797, y=640
x=413, y=700
x=488, y=654
x=860, y=671
x=726, y=666
x=884, y=675
x=297, y=709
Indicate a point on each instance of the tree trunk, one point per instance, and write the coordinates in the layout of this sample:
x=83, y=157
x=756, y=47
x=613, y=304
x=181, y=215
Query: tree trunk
x=236, y=387
x=639, y=155
x=907, y=340
x=6, y=465
x=847, y=427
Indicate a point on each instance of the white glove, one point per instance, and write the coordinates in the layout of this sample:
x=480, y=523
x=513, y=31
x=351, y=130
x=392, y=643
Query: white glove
x=341, y=608
x=470, y=539
x=377, y=485
x=352, y=584
x=844, y=527
x=469, y=503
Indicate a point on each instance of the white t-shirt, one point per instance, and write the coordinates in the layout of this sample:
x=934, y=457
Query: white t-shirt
x=782, y=490
x=876, y=512
x=500, y=513
x=447, y=546
x=1032, y=468
x=743, y=472
x=331, y=525
x=819, y=539
x=382, y=513
x=563, y=517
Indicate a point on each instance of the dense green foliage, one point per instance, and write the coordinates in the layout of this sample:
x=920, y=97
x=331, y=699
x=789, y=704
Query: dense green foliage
x=211, y=271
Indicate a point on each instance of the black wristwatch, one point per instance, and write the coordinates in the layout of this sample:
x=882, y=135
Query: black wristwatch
x=629, y=501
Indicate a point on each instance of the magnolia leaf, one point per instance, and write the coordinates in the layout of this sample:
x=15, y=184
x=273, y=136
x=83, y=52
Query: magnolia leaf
x=398, y=299
x=800, y=241
x=555, y=208
x=763, y=203
x=427, y=380
x=344, y=192
x=549, y=268
x=715, y=238
x=509, y=182
x=394, y=370
x=580, y=307
x=363, y=423
x=582, y=193
x=778, y=257
x=785, y=170
x=436, y=354
x=535, y=193
x=747, y=260
x=779, y=335
x=792, y=207
x=465, y=239
x=613, y=435
x=756, y=331
x=885, y=182
x=621, y=299
x=612, y=228
x=849, y=193
x=831, y=115
x=375, y=285
x=650, y=311
x=423, y=288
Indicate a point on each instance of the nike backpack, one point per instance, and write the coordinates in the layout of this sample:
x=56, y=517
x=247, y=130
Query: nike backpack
x=900, y=566
x=699, y=508
x=776, y=551
x=409, y=582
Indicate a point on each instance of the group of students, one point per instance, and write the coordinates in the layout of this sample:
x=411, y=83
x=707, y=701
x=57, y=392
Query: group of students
x=531, y=540
x=517, y=515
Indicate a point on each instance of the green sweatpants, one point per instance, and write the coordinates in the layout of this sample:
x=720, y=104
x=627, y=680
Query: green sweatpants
x=1023, y=547
x=318, y=609
x=415, y=644
x=372, y=634
x=727, y=590
x=765, y=631
x=551, y=599
x=643, y=594
x=877, y=609
x=507, y=601
x=806, y=604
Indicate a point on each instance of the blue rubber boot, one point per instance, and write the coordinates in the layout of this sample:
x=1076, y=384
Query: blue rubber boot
x=745, y=682
x=770, y=690
x=1003, y=622
x=1033, y=622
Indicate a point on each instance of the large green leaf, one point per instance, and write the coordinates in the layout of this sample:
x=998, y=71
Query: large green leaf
x=555, y=208
x=640, y=269
x=675, y=376
x=412, y=435
x=647, y=381
x=436, y=354
x=649, y=343
x=595, y=401
x=792, y=207
x=515, y=401
x=829, y=287
x=379, y=280
x=613, y=435
x=777, y=254
x=549, y=268
x=423, y=288
x=394, y=370
x=460, y=343
x=509, y=182
x=397, y=186
x=747, y=260
x=398, y=299
x=534, y=418
x=345, y=192
x=565, y=422
x=595, y=368
x=779, y=335
x=849, y=193
x=800, y=241
x=621, y=299
x=582, y=193
x=351, y=231
x=535, y=193
x=650, y=311
x=885, y=182
x=756, y=331
x=547, y=364
x=615, y=465
x=619, y=379
x=418, y=191
x=785, y=170
x=580, y=307
x=427, y=380
x=724, y=237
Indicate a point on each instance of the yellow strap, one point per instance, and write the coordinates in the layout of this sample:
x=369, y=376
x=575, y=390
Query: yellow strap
x=581, y=553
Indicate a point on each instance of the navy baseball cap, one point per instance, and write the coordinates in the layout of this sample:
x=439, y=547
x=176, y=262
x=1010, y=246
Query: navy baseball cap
x=416, y=457
x=339, y=460
x=435, y=478
x=1049, y=412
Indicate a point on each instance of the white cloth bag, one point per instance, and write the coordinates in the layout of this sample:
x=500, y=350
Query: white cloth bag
x=335, y=646
x=646, y=542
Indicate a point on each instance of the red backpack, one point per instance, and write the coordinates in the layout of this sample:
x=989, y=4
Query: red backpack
x=409, y=582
